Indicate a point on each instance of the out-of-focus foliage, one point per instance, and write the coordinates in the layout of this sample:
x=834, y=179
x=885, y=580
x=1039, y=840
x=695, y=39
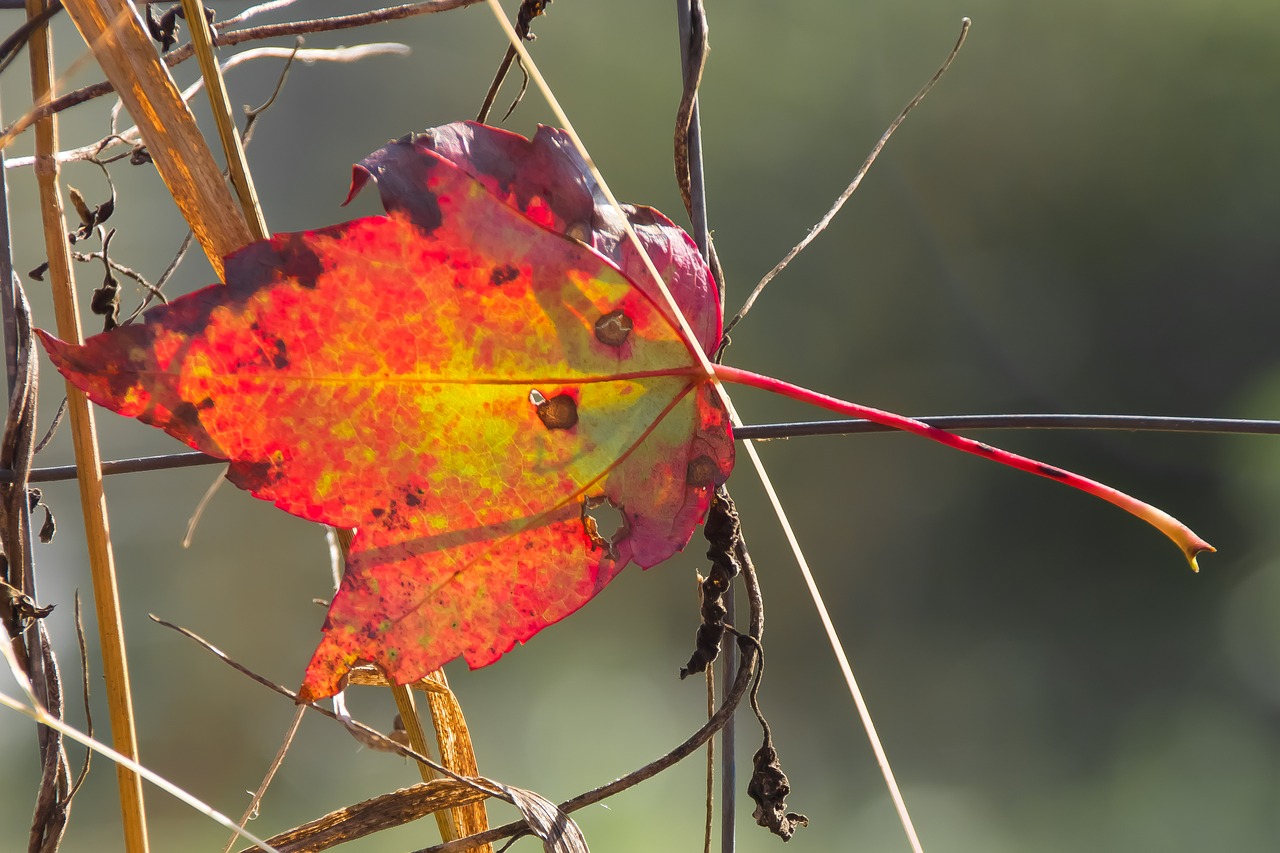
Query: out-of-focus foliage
x=1080, y=218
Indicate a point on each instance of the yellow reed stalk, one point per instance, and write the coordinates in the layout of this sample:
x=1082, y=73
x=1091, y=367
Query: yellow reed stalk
x=93, y=502
x=232, y=147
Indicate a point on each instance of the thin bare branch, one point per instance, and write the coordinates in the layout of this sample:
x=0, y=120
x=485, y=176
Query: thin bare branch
x=234, y=37
x=254, y=11
x=309, y=56
x=529, y=9
x=367, y=731
x=853, y=185
x=256, y=800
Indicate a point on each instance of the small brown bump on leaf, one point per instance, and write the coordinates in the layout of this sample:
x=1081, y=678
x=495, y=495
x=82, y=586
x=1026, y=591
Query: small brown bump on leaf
x=560, y=412
x=503, y=274
x=614, y=328
x=703, y=471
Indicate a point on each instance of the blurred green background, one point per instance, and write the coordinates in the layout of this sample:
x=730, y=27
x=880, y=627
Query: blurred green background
x=1083, y=217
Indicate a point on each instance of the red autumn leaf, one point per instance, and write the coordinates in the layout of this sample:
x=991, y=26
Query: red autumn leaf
x=458, y=383
x=484, y=382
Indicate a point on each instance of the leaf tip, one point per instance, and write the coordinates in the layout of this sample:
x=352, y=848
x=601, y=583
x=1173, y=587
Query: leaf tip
x=47, y=339
x=1194, y=548
x=57, y=349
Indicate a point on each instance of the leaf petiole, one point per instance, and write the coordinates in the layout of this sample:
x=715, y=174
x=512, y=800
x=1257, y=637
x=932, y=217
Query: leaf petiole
x=1187, y=541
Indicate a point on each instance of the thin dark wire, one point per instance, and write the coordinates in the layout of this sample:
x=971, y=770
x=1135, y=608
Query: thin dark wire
x=1123, y=423
x=800, y=429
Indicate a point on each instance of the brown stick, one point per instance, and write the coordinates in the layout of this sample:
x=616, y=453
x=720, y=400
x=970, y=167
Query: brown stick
x=88, y=461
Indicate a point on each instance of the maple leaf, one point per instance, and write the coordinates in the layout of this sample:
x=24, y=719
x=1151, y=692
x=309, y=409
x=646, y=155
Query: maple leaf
x=486, y=382
x=459, y=382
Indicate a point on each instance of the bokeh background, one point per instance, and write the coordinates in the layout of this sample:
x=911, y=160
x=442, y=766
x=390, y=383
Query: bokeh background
x=1083, y=217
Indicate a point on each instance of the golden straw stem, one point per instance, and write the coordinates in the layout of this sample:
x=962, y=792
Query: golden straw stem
x=418, y=740
x=241, y=179
x=93, y=503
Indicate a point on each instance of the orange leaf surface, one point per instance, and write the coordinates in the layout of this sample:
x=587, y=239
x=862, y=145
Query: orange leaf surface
x=480, y=395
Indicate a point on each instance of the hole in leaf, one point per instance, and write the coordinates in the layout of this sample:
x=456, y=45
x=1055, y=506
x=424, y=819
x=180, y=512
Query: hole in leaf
x=560, y=412
x=614, y=328
x=604, y=523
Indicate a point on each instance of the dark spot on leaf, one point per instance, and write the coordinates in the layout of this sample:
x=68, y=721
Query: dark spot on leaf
x=1050, y=471
x=411, y=499
x=281, y=359
x=503, y=274
x=600, y=514
x=206, y=403
x=377, y=512
x=614, y=328
x=560, y=412
x=253, y=476
x=704, y=471
x=298, y=260
x=186, y=413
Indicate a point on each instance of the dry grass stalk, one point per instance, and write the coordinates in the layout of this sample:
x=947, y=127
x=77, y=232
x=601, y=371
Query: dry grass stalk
x=232, y=147
x=84, y=438
x=373, y=815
